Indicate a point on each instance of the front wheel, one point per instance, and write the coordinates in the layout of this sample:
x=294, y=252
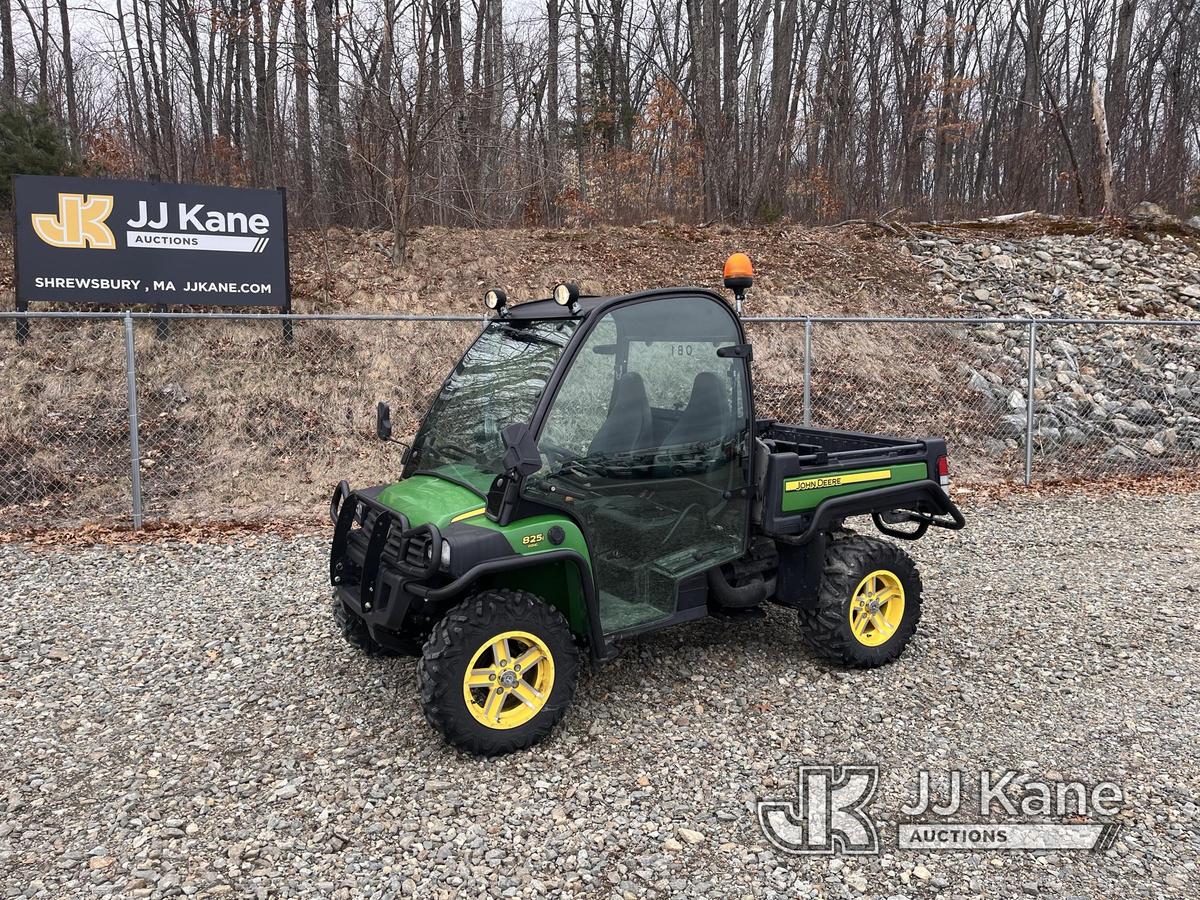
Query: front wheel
x=868, y=606
x=354, y=630
x=497, y=672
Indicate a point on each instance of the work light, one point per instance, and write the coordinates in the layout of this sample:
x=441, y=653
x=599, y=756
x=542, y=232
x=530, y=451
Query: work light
x=567, y=294
x=495, y=300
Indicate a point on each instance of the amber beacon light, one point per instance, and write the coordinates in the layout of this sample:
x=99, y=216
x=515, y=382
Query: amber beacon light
x=739, y=275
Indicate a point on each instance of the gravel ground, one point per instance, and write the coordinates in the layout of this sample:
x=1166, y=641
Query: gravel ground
x=182, y=719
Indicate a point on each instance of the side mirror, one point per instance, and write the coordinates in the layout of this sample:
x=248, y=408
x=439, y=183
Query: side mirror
x=520, y=450
x=383, y=421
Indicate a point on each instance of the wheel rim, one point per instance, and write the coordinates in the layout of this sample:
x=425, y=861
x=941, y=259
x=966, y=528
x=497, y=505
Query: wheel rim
x=876, y=608
x=509, y=679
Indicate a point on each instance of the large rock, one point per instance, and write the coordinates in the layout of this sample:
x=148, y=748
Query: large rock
x=1148, y=211
x=1124, y=427
x=1073, y=437
x=1143, y=413
x=1120, y=453
x=1130, y=387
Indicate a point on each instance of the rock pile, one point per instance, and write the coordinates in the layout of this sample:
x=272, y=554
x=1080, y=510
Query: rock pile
x=1067, y=276
x=1125, y=395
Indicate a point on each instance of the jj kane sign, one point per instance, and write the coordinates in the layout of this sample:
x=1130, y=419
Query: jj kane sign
x=86, y=240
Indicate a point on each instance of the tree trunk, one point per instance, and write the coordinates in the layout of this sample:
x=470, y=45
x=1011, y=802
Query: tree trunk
x=945, y=115
x=552, y=165
x=1116, y=103
x=8, y=83
x=334, y=162
x=1106, y=172
x=131, y=88
x=782, y=89
x=44, y=57
x=153, y=133
x=191, y=38
x=69, y=77
x=262, y=121
x=303, y=123
x=730, y=135
x=581, y=179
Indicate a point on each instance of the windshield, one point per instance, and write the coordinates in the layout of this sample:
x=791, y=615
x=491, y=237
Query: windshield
x=497, y=383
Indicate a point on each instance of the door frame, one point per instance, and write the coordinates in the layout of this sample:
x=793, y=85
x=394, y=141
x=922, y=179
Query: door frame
x=567, y=359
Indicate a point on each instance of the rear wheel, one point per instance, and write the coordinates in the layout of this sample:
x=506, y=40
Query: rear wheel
x=497, y=672
x=869, y=603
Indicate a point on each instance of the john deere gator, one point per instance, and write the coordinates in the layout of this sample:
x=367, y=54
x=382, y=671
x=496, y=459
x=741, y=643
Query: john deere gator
x=593, y=469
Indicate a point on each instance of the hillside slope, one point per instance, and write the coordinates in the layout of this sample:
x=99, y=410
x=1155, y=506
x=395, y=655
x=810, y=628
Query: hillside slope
x=237, y=424
x=800, y=270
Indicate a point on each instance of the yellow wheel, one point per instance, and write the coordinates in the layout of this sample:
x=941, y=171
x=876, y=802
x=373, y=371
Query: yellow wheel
x=498, y=672
x=509, y=679
x=868, y=604
x=876, y=608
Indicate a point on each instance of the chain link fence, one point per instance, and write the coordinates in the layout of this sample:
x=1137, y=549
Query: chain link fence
x=238, y=423
x=64, y=424
x=1097, y=399
x=963, y=380
x=1112, y=401
x=244, y=417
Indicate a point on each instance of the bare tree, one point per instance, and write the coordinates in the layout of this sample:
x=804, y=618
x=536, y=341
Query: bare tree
x=426, y=111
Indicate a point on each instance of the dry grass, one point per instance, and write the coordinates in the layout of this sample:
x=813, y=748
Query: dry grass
x=799, y=270
x=237, y=425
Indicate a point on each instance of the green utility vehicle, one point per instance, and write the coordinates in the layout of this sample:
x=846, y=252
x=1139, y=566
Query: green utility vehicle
x=592, y=469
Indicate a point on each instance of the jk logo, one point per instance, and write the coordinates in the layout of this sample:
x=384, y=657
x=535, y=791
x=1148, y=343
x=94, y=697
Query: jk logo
x=79, y=223
x=829, y=815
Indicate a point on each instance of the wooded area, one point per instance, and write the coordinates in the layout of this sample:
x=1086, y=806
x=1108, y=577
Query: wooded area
x=390, y=113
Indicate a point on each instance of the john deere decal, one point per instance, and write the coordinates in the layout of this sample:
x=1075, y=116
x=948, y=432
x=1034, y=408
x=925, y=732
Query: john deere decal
x=829, y=481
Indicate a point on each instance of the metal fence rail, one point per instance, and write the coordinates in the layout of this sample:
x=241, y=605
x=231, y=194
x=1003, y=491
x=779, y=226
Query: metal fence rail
x=224, y=416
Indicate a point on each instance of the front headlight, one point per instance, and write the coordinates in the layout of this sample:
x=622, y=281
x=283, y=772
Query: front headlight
x=445, y=554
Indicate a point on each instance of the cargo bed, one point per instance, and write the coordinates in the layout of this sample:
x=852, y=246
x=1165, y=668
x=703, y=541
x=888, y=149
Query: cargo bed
x=810, y=477
x=822, y=446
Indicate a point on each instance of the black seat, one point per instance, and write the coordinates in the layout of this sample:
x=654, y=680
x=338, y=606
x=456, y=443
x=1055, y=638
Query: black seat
x=706, y=419
x=628, y=426
x=706, y=416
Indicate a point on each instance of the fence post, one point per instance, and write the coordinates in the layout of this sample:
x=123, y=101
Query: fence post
x=807, y=372
x=1030, y=388
x=135, y=458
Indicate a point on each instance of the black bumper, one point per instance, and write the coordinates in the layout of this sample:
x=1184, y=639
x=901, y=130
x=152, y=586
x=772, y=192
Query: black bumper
x=376, y=557
x=930, y=505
